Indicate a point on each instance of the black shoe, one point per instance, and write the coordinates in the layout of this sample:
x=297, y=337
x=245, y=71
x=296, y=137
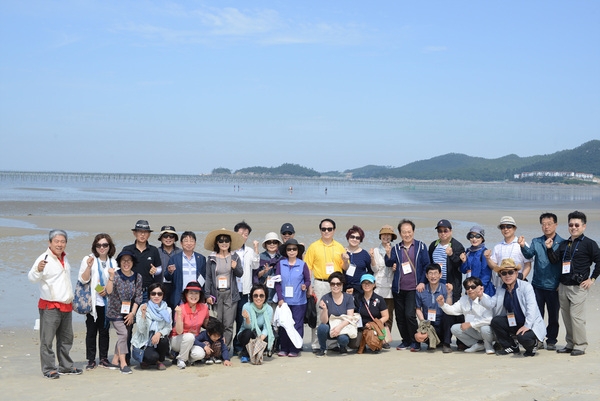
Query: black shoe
x=91, y=365
x=550, y=347
x=577, y=352
x=564, y=350
x=343, y=350
x=320, y=353
x=529, y=353
x=70, y=371
x=52, y=375
x=508, y=351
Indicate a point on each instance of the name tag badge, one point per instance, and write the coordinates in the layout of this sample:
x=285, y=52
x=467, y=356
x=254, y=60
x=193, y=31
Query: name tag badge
x=270, y=282
x=125, y=308
x=566, y=267
x=512, y=322
x=329, y=268
x=222, y=282
x=406, y=269
x=359, y=324
x=289, y=291
x=431, y=313
x=351, y=269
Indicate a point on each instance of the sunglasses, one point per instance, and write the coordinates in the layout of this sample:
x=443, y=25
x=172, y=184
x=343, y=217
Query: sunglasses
x=576, y=225
x=326, y=229
x=156, y=294
x=446, y=231
x=336, y=284
x=287, y=233
x=471, y=236
x=224, y=241
x=104, y=245
x=272, y=243
x=507, y=272
x=356, y=237
x=291, y=249
x=506, y=227
x=168, y=236
x=258, y=296
x=471, y=287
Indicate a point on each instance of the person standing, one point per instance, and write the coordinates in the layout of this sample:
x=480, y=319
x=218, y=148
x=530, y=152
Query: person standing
x=53, y=273
x=546, y=275
x=168, y=247
x=94, y=270
x=384, y=276
x=324, y=257
x=576, y=255
x=249, y=258
x=185, y=267
x=148, y=262
x=509, y=248
x=287, y=232
x=408, y=259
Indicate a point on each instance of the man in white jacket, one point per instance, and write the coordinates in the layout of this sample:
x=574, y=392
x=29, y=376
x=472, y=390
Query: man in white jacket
x=476, y=326
x=52, y=271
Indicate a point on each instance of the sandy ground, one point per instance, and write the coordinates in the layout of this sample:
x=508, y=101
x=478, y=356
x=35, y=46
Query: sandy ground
x=398, y=374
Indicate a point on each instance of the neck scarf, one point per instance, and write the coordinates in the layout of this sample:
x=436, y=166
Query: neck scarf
x=267, y=311
x=157, y=313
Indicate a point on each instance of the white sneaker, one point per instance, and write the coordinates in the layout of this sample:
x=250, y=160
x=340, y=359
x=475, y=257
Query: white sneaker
x=180, y=364
x=217, y=360
x=490, y=351
x=475, y=348
x=210, y=361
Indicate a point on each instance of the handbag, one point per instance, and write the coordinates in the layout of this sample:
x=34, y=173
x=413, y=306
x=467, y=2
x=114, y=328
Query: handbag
x=310, y=317
x=82, y=299
x=350, y=329
x=256, y=348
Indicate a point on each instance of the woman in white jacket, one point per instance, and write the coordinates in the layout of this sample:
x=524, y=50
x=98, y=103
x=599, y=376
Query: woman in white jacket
x=94, y=270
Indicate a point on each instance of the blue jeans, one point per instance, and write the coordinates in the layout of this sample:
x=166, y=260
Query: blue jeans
x=323, y=335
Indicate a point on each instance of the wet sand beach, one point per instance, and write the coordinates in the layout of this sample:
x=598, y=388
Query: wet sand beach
x=396, y=374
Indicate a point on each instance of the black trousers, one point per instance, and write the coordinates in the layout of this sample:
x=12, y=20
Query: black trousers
x=153, y=355
x=405, y=306
x=96, y=328
x=505, y=333
x=244, y=338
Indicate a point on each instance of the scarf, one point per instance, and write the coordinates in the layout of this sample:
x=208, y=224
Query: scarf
x=157, y=313
x=267, y=311
x=474, y=248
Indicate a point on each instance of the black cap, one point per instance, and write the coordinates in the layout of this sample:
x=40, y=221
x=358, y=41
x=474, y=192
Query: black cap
x=443, y=223
x=142, y=225
x=287, y=228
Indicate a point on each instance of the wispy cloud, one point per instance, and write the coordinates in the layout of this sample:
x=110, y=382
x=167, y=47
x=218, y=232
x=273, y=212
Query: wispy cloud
x=264, y=27
x=434, y=49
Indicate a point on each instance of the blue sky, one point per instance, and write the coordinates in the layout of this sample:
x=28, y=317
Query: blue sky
x=186, y=86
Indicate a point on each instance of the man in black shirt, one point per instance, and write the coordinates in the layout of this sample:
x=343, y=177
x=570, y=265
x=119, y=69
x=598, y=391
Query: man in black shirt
x=148, y=259
x=576, y=256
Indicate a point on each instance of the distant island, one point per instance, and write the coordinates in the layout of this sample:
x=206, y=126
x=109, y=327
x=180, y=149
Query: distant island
x=578, y=165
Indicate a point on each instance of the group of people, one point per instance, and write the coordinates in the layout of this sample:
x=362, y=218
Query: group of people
x=238, y=300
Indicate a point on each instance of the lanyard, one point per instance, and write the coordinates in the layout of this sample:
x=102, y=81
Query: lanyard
x=574, y=250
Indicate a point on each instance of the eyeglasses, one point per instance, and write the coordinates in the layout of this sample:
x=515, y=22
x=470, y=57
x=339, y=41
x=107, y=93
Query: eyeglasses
x=258, y=296
x=272, y=242
x=156, y=294
x=506, y=227
x=446, y=231
x=323, y=229
x=168, y=236
x=336, y=284
x=287, y=233
x=471, y=287
x=103, y=245
x=224, y=241
x=294, y=249
x=471, y=236
x=576, y=225
x=507, y=272
x=356, y=237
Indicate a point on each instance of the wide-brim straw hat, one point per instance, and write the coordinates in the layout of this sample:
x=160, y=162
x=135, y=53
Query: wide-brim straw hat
x=236, y=239
x=507, y=264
